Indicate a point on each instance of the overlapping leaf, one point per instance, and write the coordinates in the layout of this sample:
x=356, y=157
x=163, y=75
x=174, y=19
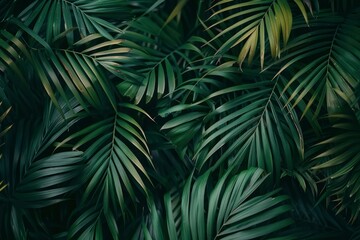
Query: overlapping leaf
x=341, y=161
x=48, y=179
x=20, y=86
x=178, y=59
x=229, y=209
x=78, y=68
x=11, y=52
x=116, y=151
x=328, y=54
x=313, y=221
x=186, y=125
x=160, y=54
x=253, y=23
x=37, y=180
x=254, y=128
x=36, y=177
x=93, y=223
x=54, y=17
x=170, y=168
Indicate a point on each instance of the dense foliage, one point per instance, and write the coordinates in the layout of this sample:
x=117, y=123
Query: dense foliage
x=188, y=119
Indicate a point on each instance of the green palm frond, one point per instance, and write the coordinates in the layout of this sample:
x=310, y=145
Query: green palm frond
x=170, y=168
x=227, y=209
x=77, y=66
x=313, y=221
x=253, y=23
x=115, y=149
x=139, y=119
x=341, y=161
x=54, y=17
x=13, y=222
x=11, y=51
x=36, y=176
x=19, y=83
x=327, y=58
x=49, y=178
x=94, y=224
x=251, y=129
x=305, y=178
x=32, y=164
x=256, y=130
x=159, y=55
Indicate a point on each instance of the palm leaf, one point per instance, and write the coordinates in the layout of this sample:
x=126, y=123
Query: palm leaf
x=11, y=51
x=30, y=167
x=185, y=126
x=251, y=127
x=36, y=177
x=54, y=17
x=48, y=178
x=341, y=162
x=77, y=68
x=13, y=224
x=93, y=223
x=89, y=165
x=18, y=81
x=226, y=209
x=313, y=221
x=328, y=55
x=253, y=23
x=170, y=168
x=159, y=54
x=115, y=148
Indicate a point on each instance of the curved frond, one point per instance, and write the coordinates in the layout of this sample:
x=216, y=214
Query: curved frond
x=36, y=178
x=11, y=52
x=158, y=57
x=57, y=16
x=138, y=119
x=341, y=162
x=253, y=24
x=254, y=128
x=170, y=168
x=94, y=223
x=77, y=67
x=115, y=149
x=227, y=209
x=48, y=179
x=327, y=60
x=313, y=221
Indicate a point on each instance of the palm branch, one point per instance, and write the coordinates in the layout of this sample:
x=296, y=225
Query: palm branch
x=138, y=119
x=232, y=210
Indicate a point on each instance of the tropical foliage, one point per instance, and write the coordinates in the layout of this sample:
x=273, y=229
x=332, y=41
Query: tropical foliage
x=156, y=119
